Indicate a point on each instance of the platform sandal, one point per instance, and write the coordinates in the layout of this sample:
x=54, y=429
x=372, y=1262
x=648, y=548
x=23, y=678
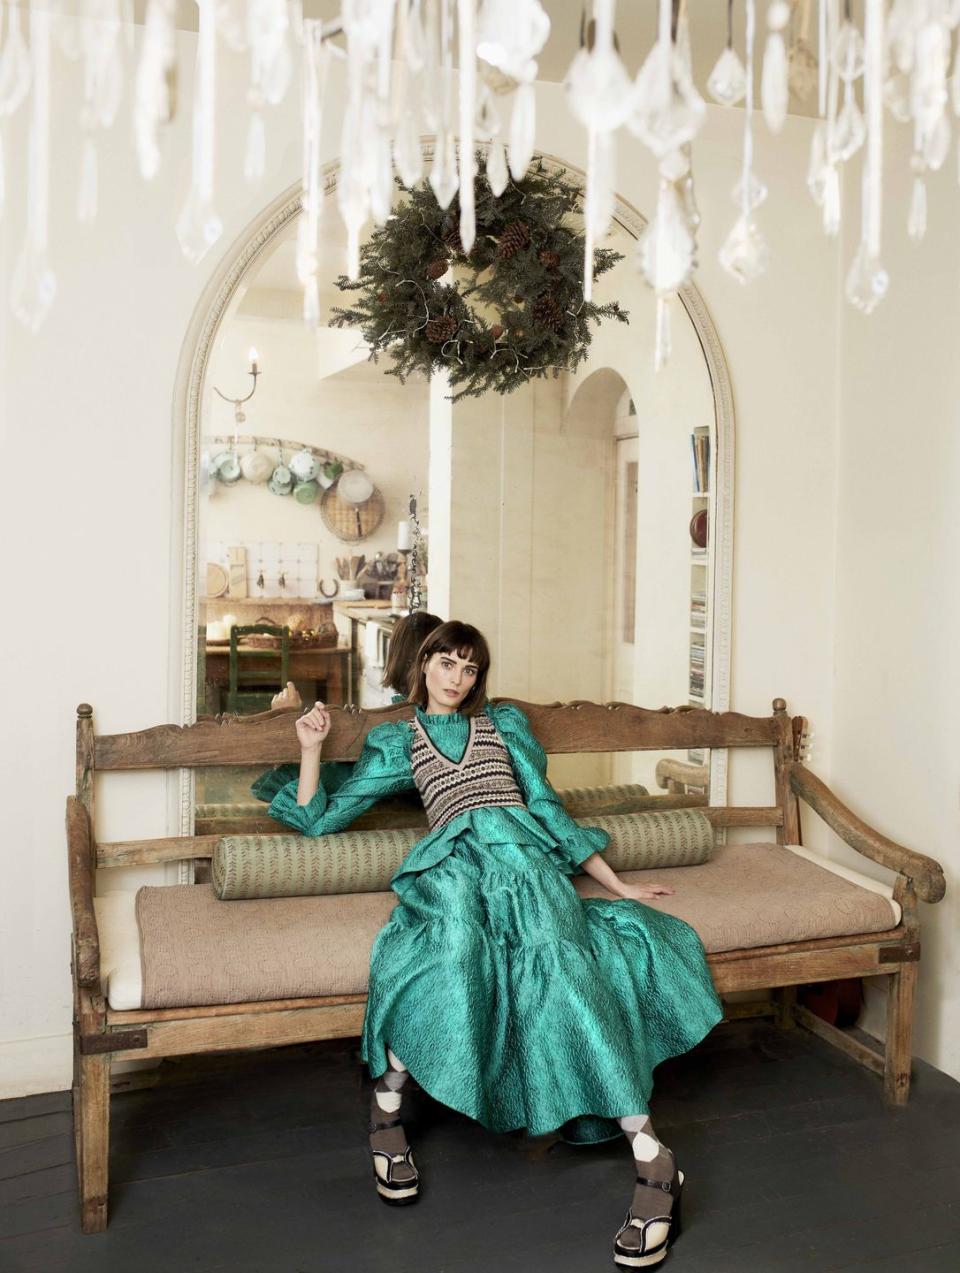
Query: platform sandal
x=634, y=1246
x=395, y=1173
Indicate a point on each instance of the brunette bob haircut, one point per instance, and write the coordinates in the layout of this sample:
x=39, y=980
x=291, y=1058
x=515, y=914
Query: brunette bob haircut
x=408, y=634
x=453, y=638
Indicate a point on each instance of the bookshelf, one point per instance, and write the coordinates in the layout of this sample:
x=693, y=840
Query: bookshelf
x=700, y=579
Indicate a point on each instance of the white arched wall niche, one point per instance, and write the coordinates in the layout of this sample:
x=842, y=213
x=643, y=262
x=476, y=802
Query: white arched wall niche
x=191, y=378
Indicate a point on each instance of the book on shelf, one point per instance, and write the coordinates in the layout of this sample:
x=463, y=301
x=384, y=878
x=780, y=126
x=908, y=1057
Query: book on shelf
x=700, y=451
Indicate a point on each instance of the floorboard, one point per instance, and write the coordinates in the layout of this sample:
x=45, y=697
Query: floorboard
x=256, y=1163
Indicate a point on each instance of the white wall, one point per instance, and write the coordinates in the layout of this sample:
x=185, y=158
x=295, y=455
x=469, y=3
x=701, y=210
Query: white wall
x=88, y=404
x=896, y=697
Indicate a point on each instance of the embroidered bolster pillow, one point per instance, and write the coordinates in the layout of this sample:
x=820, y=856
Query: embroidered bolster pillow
x=251, y=866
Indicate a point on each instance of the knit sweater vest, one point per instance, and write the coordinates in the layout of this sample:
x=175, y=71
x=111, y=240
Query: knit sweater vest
x=482, y=778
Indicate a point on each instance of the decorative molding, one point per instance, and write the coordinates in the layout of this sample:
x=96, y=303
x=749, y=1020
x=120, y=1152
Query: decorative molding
x=195, y=355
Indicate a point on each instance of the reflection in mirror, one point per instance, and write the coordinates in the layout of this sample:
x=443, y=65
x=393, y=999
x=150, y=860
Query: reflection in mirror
x=574, y=521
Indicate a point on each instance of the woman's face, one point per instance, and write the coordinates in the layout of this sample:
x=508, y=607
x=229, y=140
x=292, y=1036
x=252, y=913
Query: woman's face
x=449, y=679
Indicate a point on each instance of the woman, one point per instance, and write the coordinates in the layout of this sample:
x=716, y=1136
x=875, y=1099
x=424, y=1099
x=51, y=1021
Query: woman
x=506, y=995
x=405, y=639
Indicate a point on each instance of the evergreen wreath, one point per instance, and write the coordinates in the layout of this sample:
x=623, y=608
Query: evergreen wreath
x=512, y=309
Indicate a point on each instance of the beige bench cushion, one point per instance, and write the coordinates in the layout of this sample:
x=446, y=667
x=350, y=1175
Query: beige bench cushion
x=197, y=949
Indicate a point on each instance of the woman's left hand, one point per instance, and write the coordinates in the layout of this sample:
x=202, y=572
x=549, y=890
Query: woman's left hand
x=645, y=892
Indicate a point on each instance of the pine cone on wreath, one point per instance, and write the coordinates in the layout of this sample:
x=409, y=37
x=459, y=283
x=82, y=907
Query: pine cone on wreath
x=439, y=330
x=451, y=237
x=496, y=331
x=548, y=312
x=513, y=239
x=549, y=258
x=437, y=268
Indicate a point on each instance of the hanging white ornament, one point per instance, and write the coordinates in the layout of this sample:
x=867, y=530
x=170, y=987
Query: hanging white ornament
x=466, y=14
x=311, y=302
x=663, y=339
x=34, y=284
x=774, y=89
x=728, y=80
x=155, y=86
x=444, y=178
x=896, y=95
x=917, y=216
x=412, y=40
x=937, y=144
x=668, y=111
x=749, y=192
x=407, y=155
x=666, y=249
x=867, y=281
x=254, y=160
x=831, y=204
x=510, y=35
x=928, y=84
x=847, y=54
x=199, y=226
x=849, y=130
x=497, y=174
x=817, y=165
x=486, y=121
x=87, y=189
x=522, y=131
x=232, y=24
x=14, y=63
x=744, y=251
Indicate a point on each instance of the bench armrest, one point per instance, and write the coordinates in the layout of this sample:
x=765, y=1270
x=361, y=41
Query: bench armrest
x=925, y=873
x=86, y=939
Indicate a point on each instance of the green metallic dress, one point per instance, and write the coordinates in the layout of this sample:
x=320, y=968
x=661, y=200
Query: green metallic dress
x=508, y=996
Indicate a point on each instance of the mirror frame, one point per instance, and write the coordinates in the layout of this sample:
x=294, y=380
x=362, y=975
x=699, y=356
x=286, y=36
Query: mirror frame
x=195, y=353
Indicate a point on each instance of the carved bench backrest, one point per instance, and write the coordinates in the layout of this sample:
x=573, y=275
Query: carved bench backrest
x=270, y=739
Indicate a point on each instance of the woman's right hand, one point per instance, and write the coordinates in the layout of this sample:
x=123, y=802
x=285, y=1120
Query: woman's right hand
x=313, y=727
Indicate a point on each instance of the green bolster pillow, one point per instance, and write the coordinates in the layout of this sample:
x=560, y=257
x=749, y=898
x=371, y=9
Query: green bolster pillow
x=254, y=866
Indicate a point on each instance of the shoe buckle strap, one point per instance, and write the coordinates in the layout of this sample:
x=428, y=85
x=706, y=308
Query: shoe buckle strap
x=667, y=1186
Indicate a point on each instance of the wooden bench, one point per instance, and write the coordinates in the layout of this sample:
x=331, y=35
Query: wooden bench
x=103, y=1034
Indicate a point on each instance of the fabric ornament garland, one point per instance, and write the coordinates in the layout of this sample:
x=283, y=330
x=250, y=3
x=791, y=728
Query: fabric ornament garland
x=510, y=311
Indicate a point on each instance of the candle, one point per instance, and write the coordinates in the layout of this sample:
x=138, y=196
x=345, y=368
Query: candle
x=404, y=538
x=254, y=360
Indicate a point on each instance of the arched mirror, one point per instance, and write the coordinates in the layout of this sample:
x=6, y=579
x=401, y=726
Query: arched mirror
x=583, y=523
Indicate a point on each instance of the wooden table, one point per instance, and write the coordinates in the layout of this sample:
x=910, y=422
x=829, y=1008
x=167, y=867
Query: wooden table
x=327, y=667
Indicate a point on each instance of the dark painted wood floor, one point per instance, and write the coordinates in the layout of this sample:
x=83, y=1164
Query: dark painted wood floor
x=256, y=1164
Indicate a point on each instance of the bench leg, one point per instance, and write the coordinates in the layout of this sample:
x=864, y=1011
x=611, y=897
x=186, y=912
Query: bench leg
x=896, y=1071
x=785, y=1002
x=91, y=1122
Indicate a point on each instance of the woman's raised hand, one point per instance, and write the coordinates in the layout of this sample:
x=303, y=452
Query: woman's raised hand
x=313, y=727
x=288, y=697
x=644, y=892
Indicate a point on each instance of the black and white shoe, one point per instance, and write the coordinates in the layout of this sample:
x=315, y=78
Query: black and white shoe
x=644, y=1239
x=395, y=1172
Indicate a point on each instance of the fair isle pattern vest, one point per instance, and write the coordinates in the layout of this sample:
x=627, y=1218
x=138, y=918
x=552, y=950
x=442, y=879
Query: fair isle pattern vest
x=482, y=778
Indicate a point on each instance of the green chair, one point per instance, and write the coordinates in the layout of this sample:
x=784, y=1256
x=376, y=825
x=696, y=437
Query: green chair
x=256, y=675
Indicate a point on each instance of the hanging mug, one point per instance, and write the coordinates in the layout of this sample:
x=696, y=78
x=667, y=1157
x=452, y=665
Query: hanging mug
x=227, y=467
x=256, y=466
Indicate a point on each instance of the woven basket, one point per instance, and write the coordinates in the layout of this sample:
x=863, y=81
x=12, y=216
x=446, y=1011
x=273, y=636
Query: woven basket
x=351, y=522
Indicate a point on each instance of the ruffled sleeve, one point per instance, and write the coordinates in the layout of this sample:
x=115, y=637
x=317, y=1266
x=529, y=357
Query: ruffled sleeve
x=333, y=774
x=574, y=842
x=382, y=770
